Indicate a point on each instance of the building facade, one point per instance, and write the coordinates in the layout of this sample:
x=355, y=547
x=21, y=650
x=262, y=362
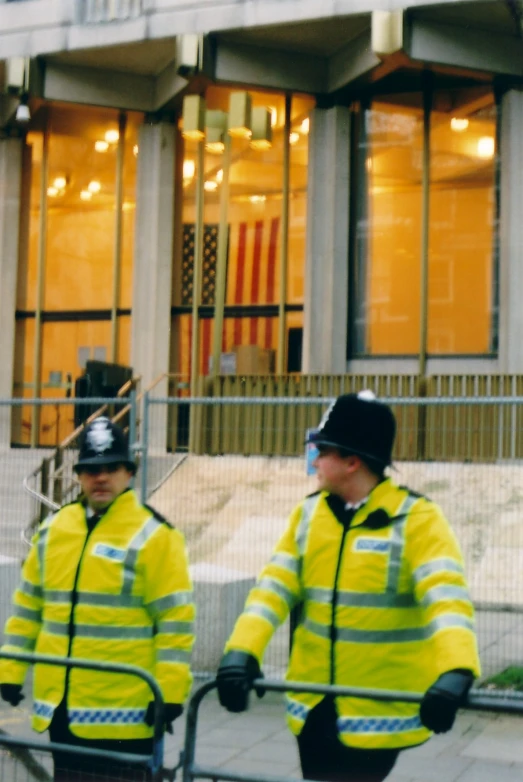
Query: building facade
x=377, y=228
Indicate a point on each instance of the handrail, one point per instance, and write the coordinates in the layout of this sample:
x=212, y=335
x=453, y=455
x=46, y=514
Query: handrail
x=477, y=700
x=121, y=392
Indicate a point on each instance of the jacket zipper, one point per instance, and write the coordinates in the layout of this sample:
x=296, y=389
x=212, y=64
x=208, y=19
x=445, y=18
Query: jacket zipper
x=74, y=601
x=333, y=628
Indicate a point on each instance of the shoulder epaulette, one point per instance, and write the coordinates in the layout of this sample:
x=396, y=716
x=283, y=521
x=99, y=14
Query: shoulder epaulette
x=158, y=516
x=417, y=494
x=313, y=494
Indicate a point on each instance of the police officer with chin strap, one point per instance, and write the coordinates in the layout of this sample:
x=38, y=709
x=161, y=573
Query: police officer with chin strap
x=377, y=577
x=106, y=579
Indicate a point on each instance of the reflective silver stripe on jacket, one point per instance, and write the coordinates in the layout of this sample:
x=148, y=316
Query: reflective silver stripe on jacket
x=265, y=612
x=286, y=561
x=174, y=600
x=181, y=628
x=397, y=543
x=99, y=631
x=439, y=593
x=277, y=588
x=173, y=656
x=31, y=590
x=442, y=565
x=27, y=613
x=391, y=636
x=307, y=512
x=361, y=599
x=94, y=599
x=137, y=543
x=40, y=551
x=21, y=642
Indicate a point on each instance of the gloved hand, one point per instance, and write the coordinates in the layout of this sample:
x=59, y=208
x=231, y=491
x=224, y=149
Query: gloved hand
x=171, y=712
x=441, y=701
x=12, y=693
x=235, y=676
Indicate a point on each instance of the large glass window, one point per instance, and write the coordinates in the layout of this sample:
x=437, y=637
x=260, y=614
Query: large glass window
x=255, y=223
x=391, y=307
x=75, y=272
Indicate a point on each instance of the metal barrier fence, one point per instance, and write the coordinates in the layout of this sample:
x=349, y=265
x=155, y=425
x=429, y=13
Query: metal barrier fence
x=477, y=701
x=26, y=760
x=233, y=508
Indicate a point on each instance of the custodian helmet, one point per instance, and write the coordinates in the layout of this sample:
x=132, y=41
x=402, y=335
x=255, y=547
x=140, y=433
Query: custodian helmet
x=103, y=442
x=359, y=424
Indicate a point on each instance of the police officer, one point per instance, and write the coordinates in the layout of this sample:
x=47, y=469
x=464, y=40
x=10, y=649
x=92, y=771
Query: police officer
x=106, y=579
x=377, y=576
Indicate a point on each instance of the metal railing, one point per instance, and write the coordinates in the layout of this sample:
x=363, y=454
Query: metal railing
x=153, y=762
x=477, y=700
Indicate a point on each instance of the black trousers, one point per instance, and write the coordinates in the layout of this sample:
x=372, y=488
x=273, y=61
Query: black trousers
x=324, y=757
x=75, y=768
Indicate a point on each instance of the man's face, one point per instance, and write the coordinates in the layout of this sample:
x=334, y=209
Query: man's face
x=101, y=484
x=332, y=469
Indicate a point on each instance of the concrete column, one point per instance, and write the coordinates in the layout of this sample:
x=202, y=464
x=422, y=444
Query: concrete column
x=327, y=258
x=511, y=235
x=10, y=189
x=153, y=249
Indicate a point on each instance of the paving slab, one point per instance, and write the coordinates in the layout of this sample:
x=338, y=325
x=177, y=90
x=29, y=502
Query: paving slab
x=499, y=741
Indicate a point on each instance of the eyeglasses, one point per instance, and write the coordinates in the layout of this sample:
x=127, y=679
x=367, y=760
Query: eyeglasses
x=98, y=469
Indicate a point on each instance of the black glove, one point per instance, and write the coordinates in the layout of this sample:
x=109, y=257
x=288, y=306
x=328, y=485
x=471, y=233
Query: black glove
x=235, y=676
x=171, y=712
x=441, y=701
x=12, y=693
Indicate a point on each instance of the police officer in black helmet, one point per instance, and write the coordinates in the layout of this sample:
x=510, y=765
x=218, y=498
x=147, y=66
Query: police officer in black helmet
x=107, y=579
x=377, y=576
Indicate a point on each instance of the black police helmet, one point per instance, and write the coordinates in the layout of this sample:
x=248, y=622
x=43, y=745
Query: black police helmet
x=103, y=442
x=359, y=424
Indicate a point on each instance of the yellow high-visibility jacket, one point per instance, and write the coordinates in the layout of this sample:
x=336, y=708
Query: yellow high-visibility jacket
x=384, y=604
x=121, y=594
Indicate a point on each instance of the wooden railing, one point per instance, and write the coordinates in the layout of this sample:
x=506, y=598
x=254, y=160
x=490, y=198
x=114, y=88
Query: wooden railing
x=451, y=431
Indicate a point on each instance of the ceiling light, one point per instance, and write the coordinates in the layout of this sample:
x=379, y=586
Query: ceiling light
x=86, y=195
x=193, y=117
x=135, y=150
x=305, y=126
x=219, y=175
x=214, y=140
x=459, y=124
x=261, y=137
x=101, y=145
x=22, y=112
x=112, y=136
x=257, y=199
x=189, y=168
x=274, y=115
x=59, y=182
x=210, y=185
x=94, y=186
x=240, y=115
x=52, y=192
x=294, y=137
x=486, y=147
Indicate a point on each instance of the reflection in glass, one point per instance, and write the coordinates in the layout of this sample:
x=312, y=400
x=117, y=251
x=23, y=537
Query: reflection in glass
x=462, y=217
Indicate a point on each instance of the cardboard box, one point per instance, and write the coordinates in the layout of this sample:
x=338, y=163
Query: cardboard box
x=254, y=360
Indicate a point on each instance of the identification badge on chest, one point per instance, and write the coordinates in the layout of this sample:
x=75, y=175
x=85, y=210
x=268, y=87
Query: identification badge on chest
x=372, y=545
x=106, y=551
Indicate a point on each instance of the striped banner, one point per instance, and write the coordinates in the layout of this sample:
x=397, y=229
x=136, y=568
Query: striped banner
x=252, y=278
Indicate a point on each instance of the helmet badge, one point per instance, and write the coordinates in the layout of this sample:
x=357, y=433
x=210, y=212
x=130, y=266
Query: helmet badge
x=100, y=437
